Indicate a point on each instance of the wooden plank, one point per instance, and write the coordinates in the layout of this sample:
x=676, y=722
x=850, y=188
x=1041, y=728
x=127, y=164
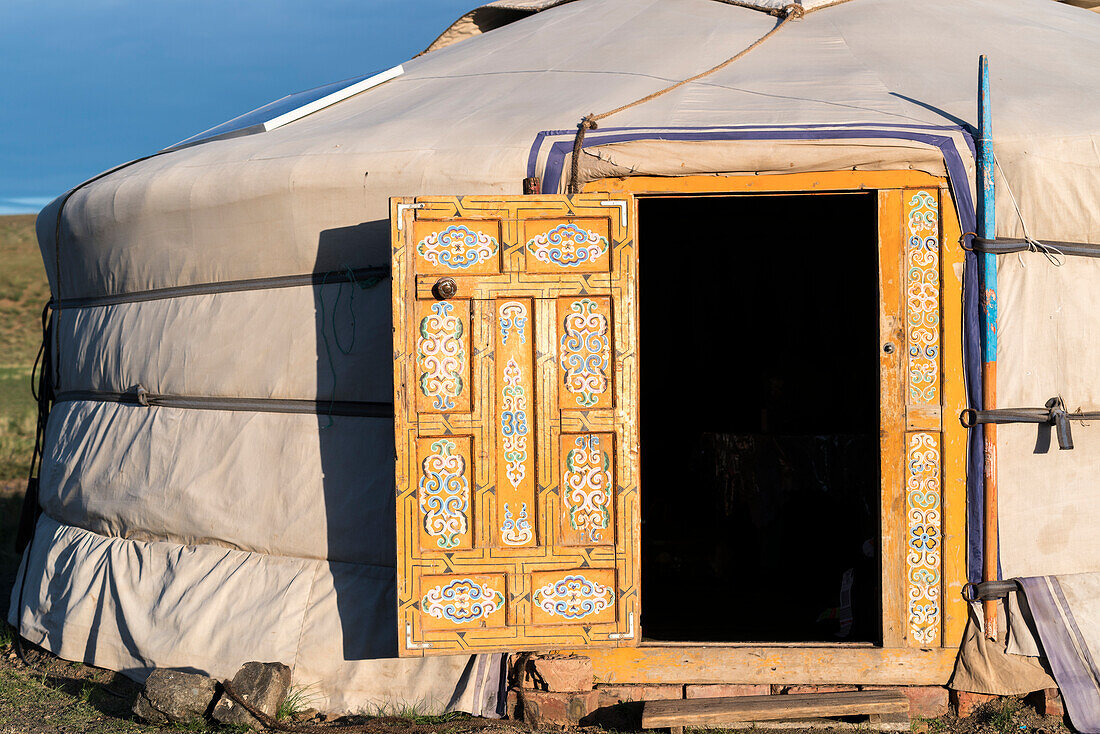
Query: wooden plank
x=891, y=417
x=703, y=711
x=837, y=665
x=954, y=435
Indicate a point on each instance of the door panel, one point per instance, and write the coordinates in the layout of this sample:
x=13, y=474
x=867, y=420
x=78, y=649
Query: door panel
x=516, y=422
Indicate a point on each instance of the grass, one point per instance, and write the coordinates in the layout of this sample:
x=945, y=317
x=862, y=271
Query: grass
x=23, y=291
x=29, y=701
x=298, y=701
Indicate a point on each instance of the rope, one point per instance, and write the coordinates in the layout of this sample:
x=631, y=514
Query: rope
x=1056, y=257
x=381, y=725
x=589, y=122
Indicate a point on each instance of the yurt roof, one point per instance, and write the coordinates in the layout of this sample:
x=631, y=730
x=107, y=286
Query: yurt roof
x=491, y=16
x=479, y=116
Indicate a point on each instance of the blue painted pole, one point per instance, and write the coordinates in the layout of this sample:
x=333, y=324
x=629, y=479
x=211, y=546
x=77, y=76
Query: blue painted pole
x=987, y=229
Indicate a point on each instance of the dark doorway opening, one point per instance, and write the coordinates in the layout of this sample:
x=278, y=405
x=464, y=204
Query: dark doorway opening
x=760, y=418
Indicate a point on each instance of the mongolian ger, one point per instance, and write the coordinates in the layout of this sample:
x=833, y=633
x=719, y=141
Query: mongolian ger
x=718, y=345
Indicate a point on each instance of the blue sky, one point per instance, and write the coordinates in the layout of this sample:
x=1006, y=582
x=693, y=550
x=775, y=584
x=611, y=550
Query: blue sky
x=88, y=84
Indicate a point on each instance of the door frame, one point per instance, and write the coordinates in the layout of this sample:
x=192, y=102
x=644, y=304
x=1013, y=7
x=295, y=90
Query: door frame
x=908, y=655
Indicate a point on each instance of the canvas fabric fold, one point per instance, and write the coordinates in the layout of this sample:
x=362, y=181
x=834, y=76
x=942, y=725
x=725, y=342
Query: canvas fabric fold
x=1067, y=619
x=133, y=606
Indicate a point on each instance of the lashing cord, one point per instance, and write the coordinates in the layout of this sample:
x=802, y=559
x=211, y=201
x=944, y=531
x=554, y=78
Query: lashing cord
x=381, y=725
x=589, y=122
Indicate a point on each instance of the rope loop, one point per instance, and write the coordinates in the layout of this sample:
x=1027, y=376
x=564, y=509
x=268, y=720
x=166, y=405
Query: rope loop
x=588, y=122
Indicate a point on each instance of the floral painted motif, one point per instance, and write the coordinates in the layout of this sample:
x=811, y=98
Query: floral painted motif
x=457, y=247
x=441, y=355
x=516, y=531
x=462, y=600
x=567, y=245
x=445, y=494
x=922, y=504
x=923, y=298
x=513, y=423
x=573, y=597
x=513, y=317
x=586, y=486
x=585, y=352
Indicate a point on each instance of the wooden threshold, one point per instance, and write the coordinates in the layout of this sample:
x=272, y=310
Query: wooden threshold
x=816, y=665
x=740, y=709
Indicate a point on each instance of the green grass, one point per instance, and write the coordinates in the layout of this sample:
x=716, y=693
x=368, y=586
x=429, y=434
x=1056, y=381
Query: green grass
x=23, y=291
x=297, y=701
x=30, y=701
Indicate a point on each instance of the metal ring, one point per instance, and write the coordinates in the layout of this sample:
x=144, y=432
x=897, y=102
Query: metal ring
x=969, y=417
x=970, y=591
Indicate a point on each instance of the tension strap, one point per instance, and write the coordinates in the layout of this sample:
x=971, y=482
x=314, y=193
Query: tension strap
x=1006, y=246
x=1053, y=414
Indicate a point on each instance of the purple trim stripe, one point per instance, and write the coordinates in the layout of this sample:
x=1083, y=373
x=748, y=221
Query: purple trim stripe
x=957, y=178
x=1066, y=650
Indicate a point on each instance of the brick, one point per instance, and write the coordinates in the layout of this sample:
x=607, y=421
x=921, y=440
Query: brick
x=817, y=689
x=925, y=702
x=1048, y=702
x=724, y=690
x=546, y=708
x=964, y=702
x=559, y=673
x=612, y=695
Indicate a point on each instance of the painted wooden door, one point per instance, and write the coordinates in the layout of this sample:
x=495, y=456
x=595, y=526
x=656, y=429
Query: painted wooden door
x=515, y=400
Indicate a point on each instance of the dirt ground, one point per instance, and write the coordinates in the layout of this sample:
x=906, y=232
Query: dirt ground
x=47, y=695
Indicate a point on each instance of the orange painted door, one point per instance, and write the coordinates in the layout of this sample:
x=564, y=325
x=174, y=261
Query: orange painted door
x=515, y=400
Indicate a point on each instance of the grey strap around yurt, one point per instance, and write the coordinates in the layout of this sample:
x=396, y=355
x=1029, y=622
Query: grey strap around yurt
x=1053, y=414
x=1007, y=246
x=366, y=277
x=139, y=396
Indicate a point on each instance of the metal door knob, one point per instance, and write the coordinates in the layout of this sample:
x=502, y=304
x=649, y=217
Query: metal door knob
x=445, y=288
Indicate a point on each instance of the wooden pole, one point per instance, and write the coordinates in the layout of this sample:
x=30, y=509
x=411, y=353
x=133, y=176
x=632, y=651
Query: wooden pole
x=987, y=230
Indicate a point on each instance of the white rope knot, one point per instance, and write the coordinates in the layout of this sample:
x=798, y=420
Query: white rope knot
x=794, y=10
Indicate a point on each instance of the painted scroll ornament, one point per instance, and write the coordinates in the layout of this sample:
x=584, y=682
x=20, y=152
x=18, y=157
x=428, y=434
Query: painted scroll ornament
x=586, y=487
x=567, y=245
x=441, y=355
x=444, y=494
x=462, y=600
x=585, y=352
x=573, y=597
x=513, y=317
x=923, y=500
x=457, y=247
x=922, y=295
x=513, y=423
x=516, y=531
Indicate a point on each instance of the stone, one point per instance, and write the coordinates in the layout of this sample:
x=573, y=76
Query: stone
x=263, y=685
x=612, y=695
x=726, y=690
x=548, y=708
x=559, y=673
x=964, y=702
x=175, y=697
